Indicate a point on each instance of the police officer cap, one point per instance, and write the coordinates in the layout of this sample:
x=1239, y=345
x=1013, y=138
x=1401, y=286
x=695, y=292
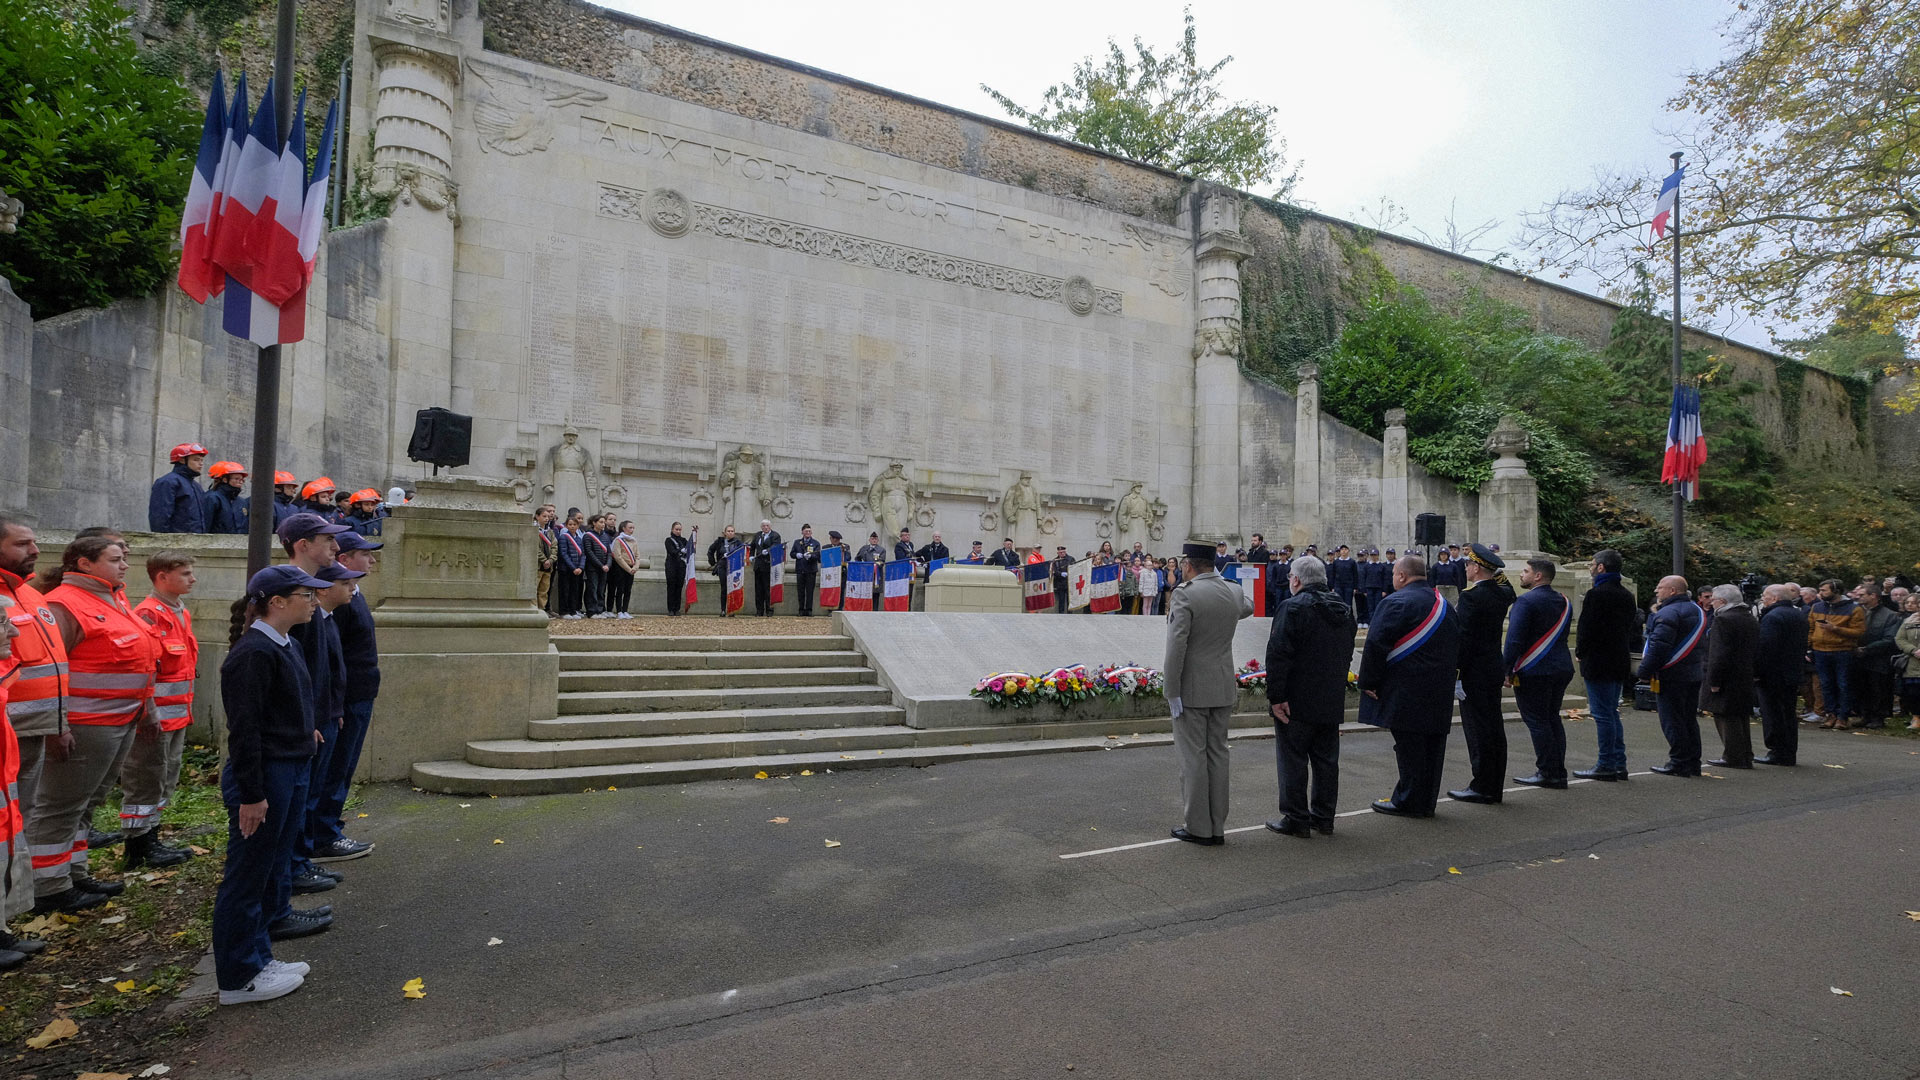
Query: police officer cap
x=1484, y=555
x=1197, y=551
x=833, y=533
x=353, y=541
x=280, y=580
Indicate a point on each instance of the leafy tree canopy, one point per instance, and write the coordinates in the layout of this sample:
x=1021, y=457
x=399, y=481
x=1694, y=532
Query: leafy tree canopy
x=1166, y=111
x=1800, y=197
x=97, y=148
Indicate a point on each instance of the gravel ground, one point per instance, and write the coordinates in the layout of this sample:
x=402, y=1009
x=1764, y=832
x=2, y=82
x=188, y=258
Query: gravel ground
x=693, y=626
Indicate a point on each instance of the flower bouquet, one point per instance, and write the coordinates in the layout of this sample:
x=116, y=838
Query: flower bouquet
x=1007, y=689
x=1353, y=681
x=1252, y=675
x=1065, y=685
x=1130, y=680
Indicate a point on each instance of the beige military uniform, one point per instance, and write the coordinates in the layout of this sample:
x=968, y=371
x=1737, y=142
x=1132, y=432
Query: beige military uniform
x=1202, y=614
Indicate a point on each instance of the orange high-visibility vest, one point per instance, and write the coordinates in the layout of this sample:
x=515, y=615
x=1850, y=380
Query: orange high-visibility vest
x=13, y=820
x=35, y=700
x=110, y=670
x=179, y=656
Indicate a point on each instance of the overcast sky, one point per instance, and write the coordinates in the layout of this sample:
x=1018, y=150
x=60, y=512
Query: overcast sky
x=1493, y=105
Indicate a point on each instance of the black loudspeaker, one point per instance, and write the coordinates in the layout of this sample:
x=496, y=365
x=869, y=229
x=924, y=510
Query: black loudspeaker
x=1430, y=529
x=441, y=437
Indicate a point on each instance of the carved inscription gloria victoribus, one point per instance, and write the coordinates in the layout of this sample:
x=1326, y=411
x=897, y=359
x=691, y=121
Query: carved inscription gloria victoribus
x=1081, y=296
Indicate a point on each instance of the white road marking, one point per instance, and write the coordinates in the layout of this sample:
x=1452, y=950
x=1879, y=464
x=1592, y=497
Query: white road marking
x=1253, y=828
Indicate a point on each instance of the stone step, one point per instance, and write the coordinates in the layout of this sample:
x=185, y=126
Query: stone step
x=581, y=643
x=731, y=697
x=694, y=679
x=467, y=778
x=653, y=661
x=715, y=721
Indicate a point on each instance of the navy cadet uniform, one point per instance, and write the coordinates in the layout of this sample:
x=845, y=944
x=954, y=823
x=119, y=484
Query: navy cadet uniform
x=1538, y=663
x=1343, y=575
x=1376, y=580
x=1673, y=660
x=1408, y=669
x=1483, y=611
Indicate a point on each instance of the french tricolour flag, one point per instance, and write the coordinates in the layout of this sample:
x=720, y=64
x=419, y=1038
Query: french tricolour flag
x=777, y=573
x=860, y=586
x=1105, y=589
x=736, y=578
x=1037, y=584
x=1663, y=206
x=1686, y=443
x=199, y=277
x=899, y=585
x=273, y=237
x=691, y=592
x=830, y=571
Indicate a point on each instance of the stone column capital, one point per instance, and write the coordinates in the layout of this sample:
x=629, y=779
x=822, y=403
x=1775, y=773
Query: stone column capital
x=1222, y=245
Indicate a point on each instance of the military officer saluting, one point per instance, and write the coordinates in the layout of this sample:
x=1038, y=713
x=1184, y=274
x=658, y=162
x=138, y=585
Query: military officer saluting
x=1202, y=615
x=1406, y=674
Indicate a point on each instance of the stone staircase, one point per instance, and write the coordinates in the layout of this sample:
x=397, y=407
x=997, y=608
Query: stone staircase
x=651, y=710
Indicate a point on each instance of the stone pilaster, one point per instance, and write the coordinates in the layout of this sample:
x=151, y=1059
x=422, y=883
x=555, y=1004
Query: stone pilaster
x=1396, y=515
x=1510, y=501
x=1304, y=529
x=415, y=82
x=1216, y=367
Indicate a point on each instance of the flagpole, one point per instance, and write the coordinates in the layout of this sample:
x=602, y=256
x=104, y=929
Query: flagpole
x=1677, y=375
x=266, y=393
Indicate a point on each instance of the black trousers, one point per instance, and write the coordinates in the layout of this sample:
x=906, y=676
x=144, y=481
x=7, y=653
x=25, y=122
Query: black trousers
x=676, y=586
x=762, y=588
x=1308, y=754
x=1539, y=698
x=1363, y=600
x=1421, y=757
x=1874, y=691
x=1779, y=724
x=1680, y=723
x=596, y=590
x=1060, y=595
x=804, y=581
x=1486, y=733
x=568, y=585
x=619, y=589
x=1736, y=738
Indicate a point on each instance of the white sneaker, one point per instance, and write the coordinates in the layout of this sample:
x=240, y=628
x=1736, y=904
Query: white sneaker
x=573, y=616
x=298, y=967
x=625, y=615
x=266, y=986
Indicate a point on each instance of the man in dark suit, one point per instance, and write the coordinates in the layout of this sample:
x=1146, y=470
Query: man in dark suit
x=1672, y=662
x=717, y=553
x=805, y=554
x=1733, y=639
x=1308, y=651
x=1540, y=667
x=760, y=550
x=1406, y=673
x=1007, y=556
x=1779, y=655
x=935, y=550
x=903, y=547
x=679, y=555
x=1062, y=563
x=1482, y=667
x=1609, y=629
x=1282, y=571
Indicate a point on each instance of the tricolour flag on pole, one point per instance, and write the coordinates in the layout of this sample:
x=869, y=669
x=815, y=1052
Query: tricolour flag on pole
x=736, y=578
x=691, y=592
x=860, y=586
x=1037, y=584
x=1253, y=578
x=830, y=571
x=1663, y=206
x=273, y=240
x=247, y=182
x=199, y=277
x=1105, y=590
x=899, y=590
x=1686, y=443
x=777, y=573
x=1080, y=584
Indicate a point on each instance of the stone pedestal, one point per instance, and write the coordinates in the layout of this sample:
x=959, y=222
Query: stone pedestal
x=974, y=588
x=1510, y=501
x=463, y=650
x=1304, y=528
x=1216, y=368
x=1396, y=514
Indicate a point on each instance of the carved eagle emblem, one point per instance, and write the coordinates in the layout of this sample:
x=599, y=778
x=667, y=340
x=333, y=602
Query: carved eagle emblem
x=514, y=115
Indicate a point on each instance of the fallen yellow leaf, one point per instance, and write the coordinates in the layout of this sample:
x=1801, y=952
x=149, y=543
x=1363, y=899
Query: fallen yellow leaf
x=413, y=988
x=1840, y=992
x=104, y=1076
x=611, y=788
x=125, y=985
x=761, y=775
x=1836, y=766
x=1914, y=915
x=833, y=843
x=499, y=841
x=806, y=772
x=59, y=1028
x=359, y=815
x=776, y=821
x=1454, y=870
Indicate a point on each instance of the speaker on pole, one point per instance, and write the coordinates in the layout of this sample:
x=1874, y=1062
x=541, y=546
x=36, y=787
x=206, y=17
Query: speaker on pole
x=441, y=437
x=1430, y=530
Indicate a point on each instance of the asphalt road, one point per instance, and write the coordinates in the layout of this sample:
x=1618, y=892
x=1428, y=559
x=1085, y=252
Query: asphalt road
x=679, y=933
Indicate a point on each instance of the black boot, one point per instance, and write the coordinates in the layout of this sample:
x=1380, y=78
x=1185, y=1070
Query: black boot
x=145, y=849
